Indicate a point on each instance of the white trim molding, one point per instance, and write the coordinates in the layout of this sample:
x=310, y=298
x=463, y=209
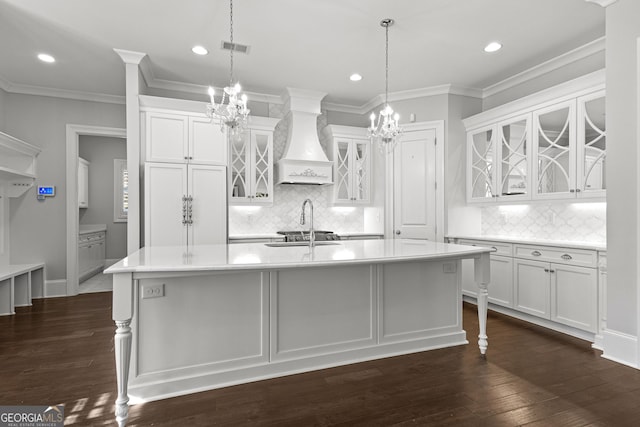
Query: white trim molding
x=560, y=61
x=603, y=3
x=73, y=136
x=621, y=348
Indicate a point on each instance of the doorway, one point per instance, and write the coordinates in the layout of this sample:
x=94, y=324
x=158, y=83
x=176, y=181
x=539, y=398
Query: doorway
x=73, y=134
x=415, y=196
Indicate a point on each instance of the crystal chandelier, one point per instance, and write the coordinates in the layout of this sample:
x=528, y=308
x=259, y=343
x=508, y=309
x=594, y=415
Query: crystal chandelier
x=234, y=114
x=386, y=130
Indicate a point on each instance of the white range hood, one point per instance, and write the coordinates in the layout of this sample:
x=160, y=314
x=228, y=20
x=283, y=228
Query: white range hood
x=304, y=160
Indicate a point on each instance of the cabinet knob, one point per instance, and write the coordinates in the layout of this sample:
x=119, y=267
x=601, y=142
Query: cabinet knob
x=398, y=232
x=572, y=191
x=536, y=253
x=578, y=190
x=546, y=270
x=552, y=271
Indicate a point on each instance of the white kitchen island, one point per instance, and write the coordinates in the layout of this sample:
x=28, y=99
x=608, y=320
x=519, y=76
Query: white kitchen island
x=204, y=317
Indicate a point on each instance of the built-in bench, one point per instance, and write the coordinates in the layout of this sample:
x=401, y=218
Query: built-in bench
x=19, y=284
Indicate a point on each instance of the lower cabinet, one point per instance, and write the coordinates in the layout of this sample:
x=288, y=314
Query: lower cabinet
x=557, y=284
x=91, y=254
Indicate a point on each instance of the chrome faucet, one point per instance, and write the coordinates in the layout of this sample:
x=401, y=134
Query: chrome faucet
x=312, y=235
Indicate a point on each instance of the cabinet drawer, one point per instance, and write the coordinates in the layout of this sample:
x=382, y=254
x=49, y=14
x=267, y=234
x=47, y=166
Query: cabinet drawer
x=584, y=258
x=500, y=248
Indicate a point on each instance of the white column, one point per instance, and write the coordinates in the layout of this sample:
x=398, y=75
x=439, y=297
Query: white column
x=482, y=276
x=122, y=314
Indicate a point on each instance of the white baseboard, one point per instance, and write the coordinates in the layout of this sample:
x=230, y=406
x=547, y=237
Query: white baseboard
x=620, y=347
x=55, y=288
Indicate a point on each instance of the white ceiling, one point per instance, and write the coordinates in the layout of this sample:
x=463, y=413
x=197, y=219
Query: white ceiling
x=296, y=43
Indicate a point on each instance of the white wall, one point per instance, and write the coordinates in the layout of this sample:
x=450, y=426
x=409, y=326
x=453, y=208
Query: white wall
x=100, y=152
x=623, y=30
x=38, y=229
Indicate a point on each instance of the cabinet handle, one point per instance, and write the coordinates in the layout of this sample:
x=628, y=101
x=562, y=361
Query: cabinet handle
x=189, y=210
x=184, y=210
x=552, y=271
x=494, y=248
x=536, y=253
x=578, y=190
x=572, y=191
x=546, y=270
x=566, y=257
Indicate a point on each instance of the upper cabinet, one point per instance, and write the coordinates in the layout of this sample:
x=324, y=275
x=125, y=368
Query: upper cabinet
x=83, y=183
x=351, y=154
x=499, y=160
x=179, y=138
x=251, y=164
x=540, y=147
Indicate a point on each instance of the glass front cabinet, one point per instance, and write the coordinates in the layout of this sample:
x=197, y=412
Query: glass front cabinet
x=351, y=155
x=554, y=151
x=499, y=161
x=251, y=164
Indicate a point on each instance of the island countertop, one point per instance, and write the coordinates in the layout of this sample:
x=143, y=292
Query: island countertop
x=259, y=256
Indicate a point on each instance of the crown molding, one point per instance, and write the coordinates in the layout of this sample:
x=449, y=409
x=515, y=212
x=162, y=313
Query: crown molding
x=129, y=56
x=603, y=3
x=571, y=89
x=404, y=95
x=60, y=93
x=560, y=61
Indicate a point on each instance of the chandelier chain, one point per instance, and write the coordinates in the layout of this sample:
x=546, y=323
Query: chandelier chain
x=386, y=76
x=231, y=41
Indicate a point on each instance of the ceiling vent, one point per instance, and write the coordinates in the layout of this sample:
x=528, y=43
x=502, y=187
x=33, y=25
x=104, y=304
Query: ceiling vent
x=236, y=47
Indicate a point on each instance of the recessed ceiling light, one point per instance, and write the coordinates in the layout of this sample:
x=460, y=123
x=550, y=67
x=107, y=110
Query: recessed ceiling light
x=46, y=58
x=355, y=77
x=492, y=47
x=199, y=50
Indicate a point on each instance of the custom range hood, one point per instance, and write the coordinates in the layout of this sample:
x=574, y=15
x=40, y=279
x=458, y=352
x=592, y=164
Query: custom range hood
x=304, y=161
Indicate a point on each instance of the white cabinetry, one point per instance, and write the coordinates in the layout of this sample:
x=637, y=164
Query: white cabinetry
x=557, y=284
x=351, y=155
x=251, y=164
x=83, y=183
x=550, y=145
x=501, y=286
x=91, y=254
x=171, y=137
x=185, y=204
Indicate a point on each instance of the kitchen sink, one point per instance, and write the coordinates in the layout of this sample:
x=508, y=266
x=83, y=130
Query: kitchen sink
x=285, y=244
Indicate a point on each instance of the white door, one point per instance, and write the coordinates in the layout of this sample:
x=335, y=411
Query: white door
x=208, y=205
x=414, y=186
x=207, y=144
x=532, y=287
x=165, y=186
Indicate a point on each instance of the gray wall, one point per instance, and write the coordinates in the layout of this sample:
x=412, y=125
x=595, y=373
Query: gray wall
x=571, y=71
x=100, y=152
x=623, y=30
x=38, y=229
x=3, y=95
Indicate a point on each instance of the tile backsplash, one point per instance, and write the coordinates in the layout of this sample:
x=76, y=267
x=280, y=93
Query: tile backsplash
x=584, y=222
x=284, y=214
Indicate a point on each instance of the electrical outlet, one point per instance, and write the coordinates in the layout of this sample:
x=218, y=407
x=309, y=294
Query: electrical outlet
x=152, y=291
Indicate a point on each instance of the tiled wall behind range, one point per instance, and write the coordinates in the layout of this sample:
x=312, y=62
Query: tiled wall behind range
x=287, y=199
x=584, y=222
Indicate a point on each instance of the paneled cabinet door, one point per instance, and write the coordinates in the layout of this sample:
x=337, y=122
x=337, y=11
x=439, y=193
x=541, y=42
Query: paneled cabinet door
x=352, y=166
x=554, y=142
x=574, y=296
x=207, y=144
x=207, y=210
x=501, y=286
x=591, y=146
x=166, y=137
x=532, y=287
x=513, y=177
x=251, y=168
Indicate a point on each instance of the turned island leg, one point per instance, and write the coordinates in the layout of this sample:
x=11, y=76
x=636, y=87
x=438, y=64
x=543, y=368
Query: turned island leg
x=482, y=277
x=122, y=314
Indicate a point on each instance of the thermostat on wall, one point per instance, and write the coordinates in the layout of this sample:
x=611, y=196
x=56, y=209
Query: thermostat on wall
x=46, y=191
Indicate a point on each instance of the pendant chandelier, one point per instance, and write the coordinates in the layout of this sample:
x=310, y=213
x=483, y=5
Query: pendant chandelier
x=234, y=114
x=385, y=130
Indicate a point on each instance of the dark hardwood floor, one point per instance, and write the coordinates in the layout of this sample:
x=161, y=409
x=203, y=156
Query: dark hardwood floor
x=61, y=351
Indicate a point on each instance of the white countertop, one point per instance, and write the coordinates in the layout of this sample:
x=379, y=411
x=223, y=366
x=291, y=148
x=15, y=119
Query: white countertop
x=256, y=236
x=575, y=244
x=258, y=256
x=91, y=228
